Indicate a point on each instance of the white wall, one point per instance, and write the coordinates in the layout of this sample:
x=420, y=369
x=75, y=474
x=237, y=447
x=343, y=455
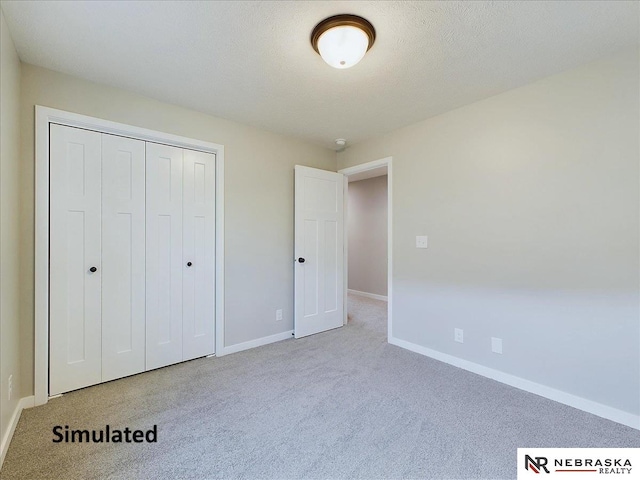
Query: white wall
x=9, y=226
x=531, y=203
x=258, y=196
x=367, y=233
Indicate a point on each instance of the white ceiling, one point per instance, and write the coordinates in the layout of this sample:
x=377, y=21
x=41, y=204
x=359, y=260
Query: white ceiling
x=252, y=61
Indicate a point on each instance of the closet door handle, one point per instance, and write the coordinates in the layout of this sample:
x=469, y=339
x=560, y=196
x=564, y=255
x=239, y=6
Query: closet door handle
x=301, y=260
x=189, y=264
x=93, y=269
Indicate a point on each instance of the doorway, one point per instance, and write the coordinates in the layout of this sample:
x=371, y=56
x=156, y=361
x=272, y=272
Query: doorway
x=368, y=237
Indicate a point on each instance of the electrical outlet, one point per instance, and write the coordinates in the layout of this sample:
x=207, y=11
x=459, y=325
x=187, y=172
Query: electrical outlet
x=458, y=335
x=496, y=345
x=10, y=389
x=421, y=241
x=278, y=315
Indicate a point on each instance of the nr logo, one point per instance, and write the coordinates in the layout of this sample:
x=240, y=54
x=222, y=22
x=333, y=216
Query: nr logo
x=536, y=465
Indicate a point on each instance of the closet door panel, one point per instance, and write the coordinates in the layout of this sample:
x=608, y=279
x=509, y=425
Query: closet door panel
x=74, y=244
x=123, y=257
x=164, y=267
x=199, y=254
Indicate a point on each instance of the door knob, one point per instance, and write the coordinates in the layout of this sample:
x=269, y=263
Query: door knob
x=93, y=269
x=301, y=260
x=189, y=264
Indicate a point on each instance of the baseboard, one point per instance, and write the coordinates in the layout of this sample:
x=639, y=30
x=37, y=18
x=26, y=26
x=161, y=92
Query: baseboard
x=258, y=342
x=368, y=295
x=26, y=402
x=574, y=401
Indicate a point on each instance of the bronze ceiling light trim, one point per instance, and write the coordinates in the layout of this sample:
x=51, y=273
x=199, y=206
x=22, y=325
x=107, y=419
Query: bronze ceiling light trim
x=341, y=20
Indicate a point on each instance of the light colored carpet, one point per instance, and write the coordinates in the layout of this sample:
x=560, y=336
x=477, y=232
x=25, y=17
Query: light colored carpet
x=342, y=404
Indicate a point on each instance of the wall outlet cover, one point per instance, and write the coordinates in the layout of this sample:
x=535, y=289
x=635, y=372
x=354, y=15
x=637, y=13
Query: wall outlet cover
x=422, y=241
x=496, y=345
x=458, y=335
x=278, y=315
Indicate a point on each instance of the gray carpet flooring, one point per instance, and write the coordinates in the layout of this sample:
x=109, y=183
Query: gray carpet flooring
x=337, y=405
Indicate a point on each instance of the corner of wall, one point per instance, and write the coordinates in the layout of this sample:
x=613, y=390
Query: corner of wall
x=10, y=244
x=5, y=440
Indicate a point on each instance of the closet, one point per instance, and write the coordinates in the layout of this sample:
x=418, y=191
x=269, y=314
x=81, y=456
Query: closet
x=132, y=256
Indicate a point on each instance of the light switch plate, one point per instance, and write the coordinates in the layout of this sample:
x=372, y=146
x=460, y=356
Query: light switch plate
x=421, y=241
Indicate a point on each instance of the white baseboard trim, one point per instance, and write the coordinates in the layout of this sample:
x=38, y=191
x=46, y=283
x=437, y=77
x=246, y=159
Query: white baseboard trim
x=368, y=295
x=574, y=401
x=26, y=402
x=258, y=342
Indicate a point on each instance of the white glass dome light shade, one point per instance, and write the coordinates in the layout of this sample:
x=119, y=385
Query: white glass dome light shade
x=343, y=46
x=342, y=40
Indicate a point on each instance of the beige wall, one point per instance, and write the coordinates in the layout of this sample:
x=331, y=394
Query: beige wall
x=258, y=196
x=367, y=233
x=9, y=226
x=531, y=203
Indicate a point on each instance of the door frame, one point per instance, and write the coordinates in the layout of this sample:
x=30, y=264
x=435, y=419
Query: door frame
x=347, y=172
x=45, y=116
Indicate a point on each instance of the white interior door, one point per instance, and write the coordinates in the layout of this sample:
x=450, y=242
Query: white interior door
x=164, y=266
x=319, y=261
x=123, y=257
x=75, y=267
x=198, y=259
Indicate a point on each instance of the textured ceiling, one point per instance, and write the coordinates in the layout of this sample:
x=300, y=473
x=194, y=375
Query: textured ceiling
x=252, y=61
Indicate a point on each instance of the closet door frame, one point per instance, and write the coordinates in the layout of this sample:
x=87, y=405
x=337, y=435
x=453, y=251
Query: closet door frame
x=44, y=116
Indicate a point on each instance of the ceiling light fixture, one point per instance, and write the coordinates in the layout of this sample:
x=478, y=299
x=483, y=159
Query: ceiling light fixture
x=342, y=40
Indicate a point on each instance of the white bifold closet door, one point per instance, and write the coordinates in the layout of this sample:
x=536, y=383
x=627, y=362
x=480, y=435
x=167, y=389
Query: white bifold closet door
x=180, y=255
x=123, y=257
x=132, y=256
x=198, y=285
x=75, y=251
x=97, y=253
x=164, y=255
